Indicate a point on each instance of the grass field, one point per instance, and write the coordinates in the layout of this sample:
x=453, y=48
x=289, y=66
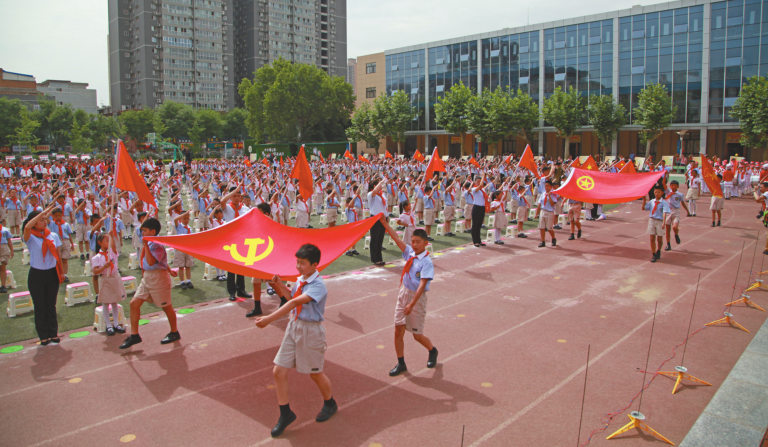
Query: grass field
x=22, y=327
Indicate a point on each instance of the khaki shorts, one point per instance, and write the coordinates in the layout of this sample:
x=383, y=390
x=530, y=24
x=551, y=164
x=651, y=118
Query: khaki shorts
x=546, y=220
x=574, y=212
x=81, y=230
x=717, y=203
x=155, y=288
x=450, y=213
x=522, y=213
x=331, y=214
x=429, y=216
x=655, y=227
x=5, y=254
x=419, y=205
x=181, y=259
x=303, y=347
x=65, y=251
x=468, y=211
x=673, y=218
x=415, y=321
x=14, y=218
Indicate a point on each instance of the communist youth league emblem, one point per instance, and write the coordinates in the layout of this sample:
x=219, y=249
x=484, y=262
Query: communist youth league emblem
x=252, y=257
x=585, y=182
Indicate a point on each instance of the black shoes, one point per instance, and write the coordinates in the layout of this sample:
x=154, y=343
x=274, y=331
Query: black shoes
x=571, y=237
x=256, y=310
x=653, y=258
x=119, y=329
x=3, y=289
x=718, y=223
x=554, y=242
x=82, y=256
x=44, y=343
x=542, y=244
x=499, y=242
x=283, y=423
x=677, y=238
x=713, y=223
x=557, y=227
x=244, y=294
x=130, y=341
x=430, y=239
x=579, y=234
x=183, y=286
x=522, y=235
x=110, y=331
x=432, y=361
x=55, y=340
x=327, y=411
x=190, y=285
x=668, y=247
x=232, y=297
x=170, y=338
x=397, y=370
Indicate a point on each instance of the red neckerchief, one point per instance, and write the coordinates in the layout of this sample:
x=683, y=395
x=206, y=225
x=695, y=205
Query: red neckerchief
x=407, y=267
x=654, y=207
x=186, y=227
x=296, y=295
x=487, y=203
x=59, y=224
x=48, y=245
x=236, y=210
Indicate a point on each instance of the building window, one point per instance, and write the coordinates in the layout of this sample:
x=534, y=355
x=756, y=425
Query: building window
x=370, y=67
x=370, y=92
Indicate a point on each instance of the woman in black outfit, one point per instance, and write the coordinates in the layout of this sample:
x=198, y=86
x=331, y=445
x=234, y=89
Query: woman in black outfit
x=480, y=200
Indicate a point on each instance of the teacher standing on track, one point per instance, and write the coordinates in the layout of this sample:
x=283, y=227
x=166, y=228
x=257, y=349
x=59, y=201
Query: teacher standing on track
x=480, y=200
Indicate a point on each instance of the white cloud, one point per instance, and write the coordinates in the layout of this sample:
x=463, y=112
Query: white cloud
x=56, y=39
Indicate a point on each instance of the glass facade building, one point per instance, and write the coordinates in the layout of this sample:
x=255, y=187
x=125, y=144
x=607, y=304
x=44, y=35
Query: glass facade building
x=702, y=52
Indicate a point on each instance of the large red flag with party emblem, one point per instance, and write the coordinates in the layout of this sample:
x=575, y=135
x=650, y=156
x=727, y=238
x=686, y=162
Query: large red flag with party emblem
x=710, y=178
x=606, y=187
x=302, y=171
x=589, y=164
x=254, y=245
x=128, y=178
x=435, y=165
x=527, y=161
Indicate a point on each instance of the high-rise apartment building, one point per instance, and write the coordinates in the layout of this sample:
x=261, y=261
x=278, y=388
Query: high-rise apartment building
x=351, y=69
x=197, y=51
x=180, y=50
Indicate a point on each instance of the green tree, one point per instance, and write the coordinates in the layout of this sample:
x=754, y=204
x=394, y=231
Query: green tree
x=565, y=111
x=209, y=123
x=654, y=112
x=606, y=116
x=10, y=118
x=138, y=123
x=103, y=128
x=752, y=112
x=392, y=116
x=515, y=114
x=286, y=101
x=177, y=118
x=79, y=139
x=25, y=133
x=451, y=111
x=483, y=116
x=362, y=129
x=234, y=126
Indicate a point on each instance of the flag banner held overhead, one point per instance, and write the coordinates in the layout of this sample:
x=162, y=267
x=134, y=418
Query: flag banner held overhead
x=605, y=187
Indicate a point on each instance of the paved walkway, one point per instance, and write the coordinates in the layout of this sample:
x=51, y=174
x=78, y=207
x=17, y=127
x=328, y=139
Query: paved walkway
x=738, y=414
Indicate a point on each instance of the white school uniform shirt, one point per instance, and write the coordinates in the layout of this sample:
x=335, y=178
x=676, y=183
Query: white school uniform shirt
x=100, y=260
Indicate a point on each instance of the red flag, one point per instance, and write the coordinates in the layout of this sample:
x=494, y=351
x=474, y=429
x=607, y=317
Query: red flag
x=590, y=164
x=474, y=162
x=435, y=165
x=302, y=172
x=576, y=163
x=387, y=154
x=321, y=156
x=628, y=168
x=281, y=160
x=508, y=160
x=247, y=162
x=128, y=178
x=363, y=159
x=620, y=165
x=710, y=178
x=348, y=155
x=254, y=245
x=265, y=161
x=418, y=156
x=527, y=161
x=606, y=187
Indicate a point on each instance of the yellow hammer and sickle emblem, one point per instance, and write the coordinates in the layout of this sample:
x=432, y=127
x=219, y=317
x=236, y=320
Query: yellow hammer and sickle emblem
x=252, y=257
x=586, y=183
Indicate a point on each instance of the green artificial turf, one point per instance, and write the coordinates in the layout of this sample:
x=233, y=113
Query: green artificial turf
x=22, y=327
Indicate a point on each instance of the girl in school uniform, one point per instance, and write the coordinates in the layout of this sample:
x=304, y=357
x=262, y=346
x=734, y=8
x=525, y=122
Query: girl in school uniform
x=111, y=288
x=407, y=220
x=45, y=273
x=216, y=218
x=500, y=221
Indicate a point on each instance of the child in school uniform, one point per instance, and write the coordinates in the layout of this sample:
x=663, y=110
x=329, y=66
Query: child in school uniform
x=694, y=191
x=500, y=221
x=546, y=213
x=675, y=200
x=302, y=212
x=64, y=231
x=717, y=204
x=216, y=219
x=181, y=260
x=155, y=286
x=574, y=217
x=96, y=227
x=351, y=213
x=408, y=221
x=522, y=209
x=411, y=308
x=104, y=264
x=657, y=219
x=304, y=345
